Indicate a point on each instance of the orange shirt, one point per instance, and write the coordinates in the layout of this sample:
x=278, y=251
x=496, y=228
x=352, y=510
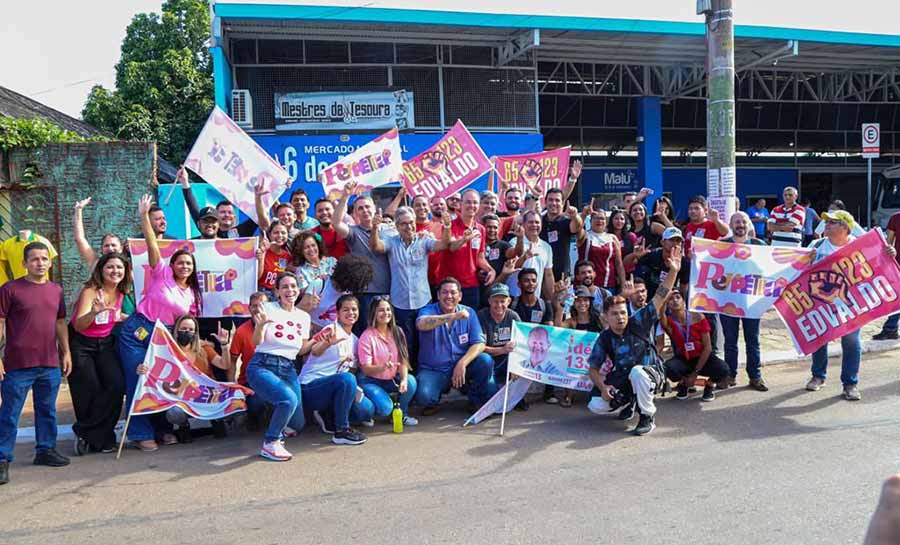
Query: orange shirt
x=242, y=346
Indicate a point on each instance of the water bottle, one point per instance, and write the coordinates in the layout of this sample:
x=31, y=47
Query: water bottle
x=397, y=415
x=569, y=301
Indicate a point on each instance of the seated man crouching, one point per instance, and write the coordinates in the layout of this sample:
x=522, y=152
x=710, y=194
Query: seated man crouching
x=625, y=367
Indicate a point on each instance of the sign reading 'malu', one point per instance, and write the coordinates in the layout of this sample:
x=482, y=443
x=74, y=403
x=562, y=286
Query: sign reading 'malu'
x=347, y=111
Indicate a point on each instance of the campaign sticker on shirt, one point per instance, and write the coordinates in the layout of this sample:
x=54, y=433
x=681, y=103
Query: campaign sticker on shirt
x=552, y=236
x=536, y=315
x=663, y=275
x=102, y=318
x=233, y=233
x=504, y=334
x=282, y=263
x=493, y=253
x=476, y=242
x=464, y=338
x=689, y=347
x=700, y=232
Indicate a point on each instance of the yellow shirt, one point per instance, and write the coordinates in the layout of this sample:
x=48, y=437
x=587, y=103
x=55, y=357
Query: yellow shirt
x=12, y=252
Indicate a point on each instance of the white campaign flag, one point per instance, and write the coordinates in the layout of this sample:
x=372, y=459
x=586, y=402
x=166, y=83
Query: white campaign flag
x=377, y=163
x=234, y=164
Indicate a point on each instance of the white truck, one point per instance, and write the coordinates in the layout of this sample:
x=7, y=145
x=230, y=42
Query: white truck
x=887, y=196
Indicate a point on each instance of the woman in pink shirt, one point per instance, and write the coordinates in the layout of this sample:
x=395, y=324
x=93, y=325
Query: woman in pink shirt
x=170, y=290
x=97, y=383
x=384, y=362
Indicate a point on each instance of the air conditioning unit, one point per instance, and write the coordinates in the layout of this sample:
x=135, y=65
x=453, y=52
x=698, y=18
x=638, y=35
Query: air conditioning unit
x=242, y=108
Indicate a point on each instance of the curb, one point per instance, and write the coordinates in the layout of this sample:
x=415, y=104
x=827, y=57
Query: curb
x=789, y=356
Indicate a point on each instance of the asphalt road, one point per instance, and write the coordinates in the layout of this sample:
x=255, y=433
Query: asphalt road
x=783, y=467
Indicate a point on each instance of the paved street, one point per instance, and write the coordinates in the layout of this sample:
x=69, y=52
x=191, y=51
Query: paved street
x=786, y=466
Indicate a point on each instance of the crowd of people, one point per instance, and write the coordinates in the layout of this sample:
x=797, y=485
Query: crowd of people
x=359, y=309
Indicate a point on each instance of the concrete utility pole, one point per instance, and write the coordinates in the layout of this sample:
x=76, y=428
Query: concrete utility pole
x=720, y=162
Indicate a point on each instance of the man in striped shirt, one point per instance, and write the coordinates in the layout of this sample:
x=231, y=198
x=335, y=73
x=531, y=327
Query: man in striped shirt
x=786, y=220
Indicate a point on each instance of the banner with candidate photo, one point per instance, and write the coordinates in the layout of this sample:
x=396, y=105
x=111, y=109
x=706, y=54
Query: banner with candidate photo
x=857, y=284
x=552, y=355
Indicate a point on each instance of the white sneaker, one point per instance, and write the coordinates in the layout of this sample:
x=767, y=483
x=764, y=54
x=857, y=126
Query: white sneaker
x=410, y=421
x=370, y=423
x=275, y=451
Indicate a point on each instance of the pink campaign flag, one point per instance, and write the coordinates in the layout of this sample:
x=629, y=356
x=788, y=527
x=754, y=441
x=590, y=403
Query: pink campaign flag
x=373, y=165
x=534, y=173
x=450, y=165
x=840, y=294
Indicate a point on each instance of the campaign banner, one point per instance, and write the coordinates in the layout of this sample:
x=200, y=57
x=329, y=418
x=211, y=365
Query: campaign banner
x=534, y=173
x=344, y=110
x=377, y=163
x=226, y=269
x=172, y=381
x=454, y=162
x=552, y=355
x=517, y=390
x=234, y=164
x=840, y=294
x=742, y=280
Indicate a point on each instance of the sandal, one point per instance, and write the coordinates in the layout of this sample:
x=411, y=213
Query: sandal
x=169, y=439
x=566, y=402
x=148, y=445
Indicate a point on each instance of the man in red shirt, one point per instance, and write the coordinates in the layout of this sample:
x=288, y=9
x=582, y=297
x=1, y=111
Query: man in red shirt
x=701, y=225
x=33, y=324
x=242, y=348
x=465, y=258
x=889, y=329
x=335, y=245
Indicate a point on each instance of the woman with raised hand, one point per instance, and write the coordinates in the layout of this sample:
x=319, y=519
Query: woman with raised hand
x=273, y=258
x=384, y=362
x=203, y=357
x=329, y=387
x=603, y=250
x=281, y=333
x=170, y=290
x=97, y=383
x=663, y=216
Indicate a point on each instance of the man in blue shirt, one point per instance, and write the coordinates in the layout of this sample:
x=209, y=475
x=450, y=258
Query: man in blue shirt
x=759, y=215
x=451, y=349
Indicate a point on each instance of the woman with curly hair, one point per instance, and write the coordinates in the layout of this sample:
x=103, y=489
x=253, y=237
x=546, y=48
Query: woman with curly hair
x=351, y=275
x=170, y=290
x=312, y=264
x=97, y=383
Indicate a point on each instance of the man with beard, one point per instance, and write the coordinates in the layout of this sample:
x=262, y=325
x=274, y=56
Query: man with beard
x=624, y=363
x=558, y=227
x=300, y=203
x=454, y=203
x=335, y=245
x=438, y=207
x=741, y=227
x=584, y=276
x=225, y=213
x=512, y=198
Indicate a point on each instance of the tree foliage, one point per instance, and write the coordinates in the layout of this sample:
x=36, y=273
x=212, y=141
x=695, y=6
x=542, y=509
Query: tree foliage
x=164, y=84
x=32, y=133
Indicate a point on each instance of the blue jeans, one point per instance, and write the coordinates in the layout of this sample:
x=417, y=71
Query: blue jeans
x=379, y=390
x=852, y=352
x=890, y=325
x=131, y=354
x=274, y=381
x=479, y=387
x=336, y=394
x=730, y=326
x=44, y=381
x=406, y=320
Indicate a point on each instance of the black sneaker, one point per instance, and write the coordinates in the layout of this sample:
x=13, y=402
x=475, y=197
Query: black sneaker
x=645, y=425
x=325, y=423
x=4, y=472
x=348, y=437
x=709, y=392
x=886, y=336
x=682, y=391
x=50, y=458
x=627, y=412
x=81, y=447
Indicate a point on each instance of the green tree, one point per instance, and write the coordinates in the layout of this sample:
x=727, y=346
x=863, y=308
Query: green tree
x=164, y=84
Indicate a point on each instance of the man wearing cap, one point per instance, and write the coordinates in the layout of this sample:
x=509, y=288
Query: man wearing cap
x=497, y=322
x=740, y=227
x=224, y=212
x=838, y=226
x=207, y=223
x=654, y=261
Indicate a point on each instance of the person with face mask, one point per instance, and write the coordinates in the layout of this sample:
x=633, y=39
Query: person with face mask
x=170, y=290
x=743, y=234
x=203, y=357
